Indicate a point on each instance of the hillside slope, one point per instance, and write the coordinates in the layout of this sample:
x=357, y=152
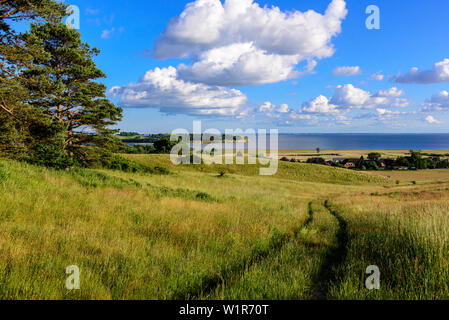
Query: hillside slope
x=191, y=234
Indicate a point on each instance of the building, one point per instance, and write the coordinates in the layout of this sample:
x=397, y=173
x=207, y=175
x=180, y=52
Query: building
x=352, y=163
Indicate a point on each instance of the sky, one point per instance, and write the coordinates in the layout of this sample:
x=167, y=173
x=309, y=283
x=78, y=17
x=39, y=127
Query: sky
x=300, y=66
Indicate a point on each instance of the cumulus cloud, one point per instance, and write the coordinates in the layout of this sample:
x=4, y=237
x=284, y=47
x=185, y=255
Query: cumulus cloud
x=273, y=111
x=344, y=106
x=393, y=92
x=439, y=73
x=239, y=64
x=283, y=108
x=161, y=88
x=432, y=120
x=347, y=98
x=269, y=107
x=438, y=102
x=347, y=71
x=350, y=96
x=378, y=76
x=240, y=43
x=441, y=98
x=385, y=113
x=319, y=105
x=337, y=109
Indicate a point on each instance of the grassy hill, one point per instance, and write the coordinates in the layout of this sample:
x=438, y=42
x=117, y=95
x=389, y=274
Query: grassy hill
x=307, y=233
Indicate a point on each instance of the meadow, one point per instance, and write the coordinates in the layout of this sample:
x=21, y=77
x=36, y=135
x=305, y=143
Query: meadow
x=222, y=232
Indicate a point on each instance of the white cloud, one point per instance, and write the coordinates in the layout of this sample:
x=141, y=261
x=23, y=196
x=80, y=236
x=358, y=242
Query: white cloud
x=432, y=120
x=378, y=76
x=241, y=43
x=272, y=110
x=239, y=64
x=162, y=89
x=439, y=73
x=283, y=108
x=438, y=102
x=441, y=98
x=393, y=92
x=347, y=98
x=347, y=71
x=266, y=107
x=350, y=97
x=399, y=103
x=319, y=105
x=386, y=112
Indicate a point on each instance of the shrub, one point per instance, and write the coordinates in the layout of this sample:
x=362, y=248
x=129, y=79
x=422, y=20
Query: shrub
x=52, y=156
x=164, y=146
x=117, y=162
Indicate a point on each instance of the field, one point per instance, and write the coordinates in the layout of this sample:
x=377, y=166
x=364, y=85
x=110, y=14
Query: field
x=223, y=232
x=303, y=155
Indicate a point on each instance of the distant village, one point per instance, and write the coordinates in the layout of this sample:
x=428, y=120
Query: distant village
x=374, y=161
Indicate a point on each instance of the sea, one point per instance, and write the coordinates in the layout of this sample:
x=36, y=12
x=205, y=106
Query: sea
x=357, y=141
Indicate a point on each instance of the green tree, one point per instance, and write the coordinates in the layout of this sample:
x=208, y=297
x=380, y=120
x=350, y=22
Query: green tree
x=164, y=146
x=374, y=156
x=64, y=87
x=18, y=120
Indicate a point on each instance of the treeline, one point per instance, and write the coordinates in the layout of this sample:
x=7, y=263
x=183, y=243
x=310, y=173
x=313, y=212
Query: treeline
x=129, y=137
x=163, y=146
x=134, y=137
x=416, y=161
x=53, y=109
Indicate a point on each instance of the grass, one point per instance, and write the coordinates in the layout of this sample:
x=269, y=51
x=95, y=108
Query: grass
x=221, y=232
x=406, y=237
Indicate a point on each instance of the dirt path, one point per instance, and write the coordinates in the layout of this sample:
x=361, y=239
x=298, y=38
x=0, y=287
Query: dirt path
x=329, y=272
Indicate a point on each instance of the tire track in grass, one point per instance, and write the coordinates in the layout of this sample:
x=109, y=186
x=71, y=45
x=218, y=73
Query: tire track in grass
x=329, y=272
x=210, y=283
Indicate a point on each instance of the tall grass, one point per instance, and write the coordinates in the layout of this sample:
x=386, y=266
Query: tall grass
x=194, y=235
x=407, y=240
x=129, y=240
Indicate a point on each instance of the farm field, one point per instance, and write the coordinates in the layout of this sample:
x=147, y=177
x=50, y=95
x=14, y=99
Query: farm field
x=331, y=154
x=222, y=232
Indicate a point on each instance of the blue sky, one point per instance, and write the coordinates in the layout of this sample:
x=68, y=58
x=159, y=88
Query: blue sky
x=269, y=64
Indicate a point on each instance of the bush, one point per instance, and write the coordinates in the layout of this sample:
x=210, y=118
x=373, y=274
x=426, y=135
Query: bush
x=120, y=163
x=316, y=161
x=50, y=155
x=164, y=146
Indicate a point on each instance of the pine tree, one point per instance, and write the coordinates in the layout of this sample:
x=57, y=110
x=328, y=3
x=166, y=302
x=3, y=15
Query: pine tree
x=64, y=87
x=17, y=119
